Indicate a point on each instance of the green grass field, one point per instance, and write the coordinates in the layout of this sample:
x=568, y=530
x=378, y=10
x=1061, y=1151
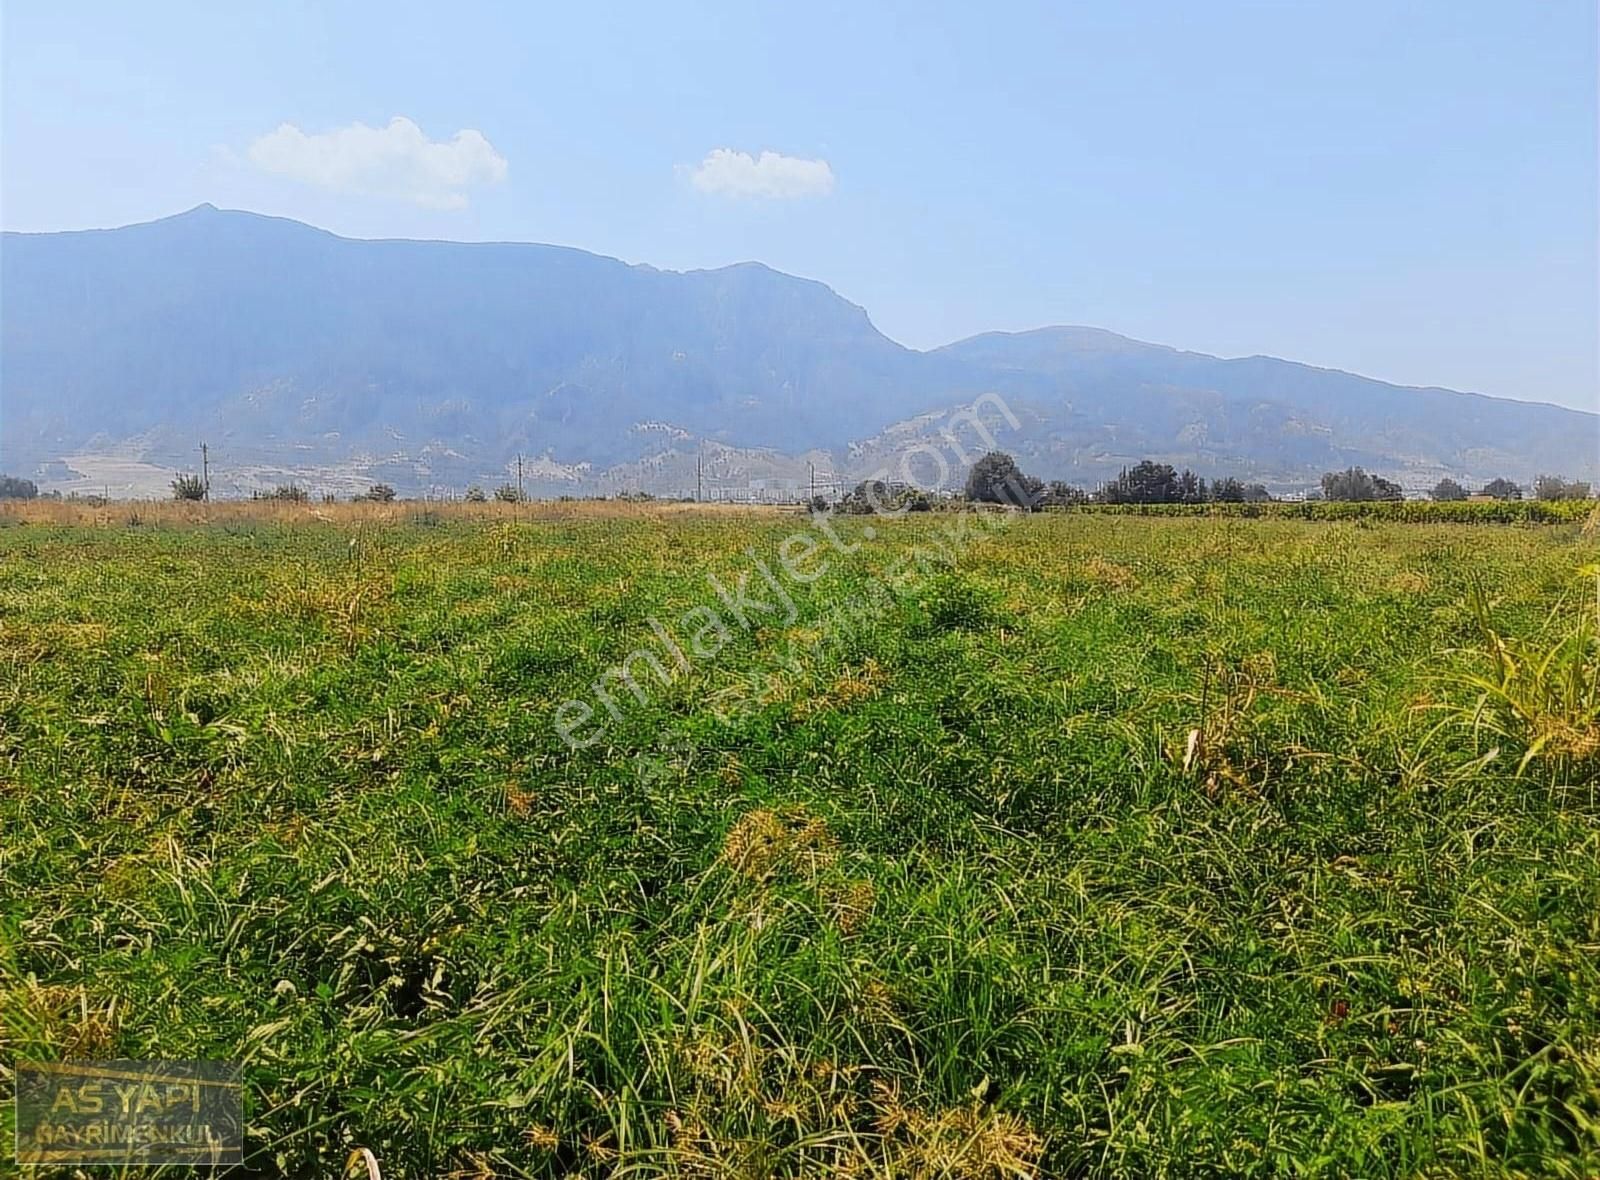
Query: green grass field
x=1080, y=845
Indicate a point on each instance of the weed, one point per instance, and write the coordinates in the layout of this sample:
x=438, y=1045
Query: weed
x=1539, y=698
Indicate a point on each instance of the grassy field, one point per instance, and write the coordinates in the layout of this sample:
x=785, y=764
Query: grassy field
x=1080, y=845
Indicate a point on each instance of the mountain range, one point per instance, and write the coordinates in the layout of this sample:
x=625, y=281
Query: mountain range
x=298, y=355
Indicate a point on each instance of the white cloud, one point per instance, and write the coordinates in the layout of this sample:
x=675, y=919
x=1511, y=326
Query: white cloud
x=396, y=161
x=739, y=174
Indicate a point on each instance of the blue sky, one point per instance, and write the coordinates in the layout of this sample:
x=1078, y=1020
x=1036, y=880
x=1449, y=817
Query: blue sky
x=1407, y=191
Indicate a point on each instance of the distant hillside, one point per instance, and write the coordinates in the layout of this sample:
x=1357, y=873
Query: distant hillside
x=294, y=352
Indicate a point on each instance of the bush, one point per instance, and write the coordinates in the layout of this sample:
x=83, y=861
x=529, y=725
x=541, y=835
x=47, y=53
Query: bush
x=188, y=487
x=1060, y=494
x=378, y=493
x=873, y=496
x=284, y=491
x=475, y=495
x=509, y=493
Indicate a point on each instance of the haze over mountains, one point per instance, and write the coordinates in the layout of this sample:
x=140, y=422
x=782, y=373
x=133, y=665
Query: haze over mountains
x=297, y=354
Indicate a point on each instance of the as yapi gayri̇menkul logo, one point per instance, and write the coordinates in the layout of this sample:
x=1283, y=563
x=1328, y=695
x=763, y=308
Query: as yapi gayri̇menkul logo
x=129, y=1112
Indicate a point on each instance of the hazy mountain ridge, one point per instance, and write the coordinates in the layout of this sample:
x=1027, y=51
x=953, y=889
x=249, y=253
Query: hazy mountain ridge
x=295, y=352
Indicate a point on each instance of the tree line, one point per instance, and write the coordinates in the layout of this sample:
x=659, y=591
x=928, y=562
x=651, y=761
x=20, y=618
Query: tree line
x=996, y=479
x=1545, y=487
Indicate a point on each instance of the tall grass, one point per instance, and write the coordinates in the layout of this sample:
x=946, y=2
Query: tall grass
x=1539, y=697
x=953, y=894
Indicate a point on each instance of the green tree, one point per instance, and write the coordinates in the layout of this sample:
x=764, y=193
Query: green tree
x=1227, y=491
x=996, y=479
x=1351, y=484
x=1191, y=488
x=1554, y=487
x=1383, y=489
x=15, y=488
x=1448, y=489
x=1502, y=489
x=1148, y=482
x=1355, y=484
x=508, y=493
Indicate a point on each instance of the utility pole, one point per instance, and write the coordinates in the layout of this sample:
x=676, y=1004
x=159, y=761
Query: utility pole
x=699, y=470
x=519, y=475
x=812, y=468
x=205, y=472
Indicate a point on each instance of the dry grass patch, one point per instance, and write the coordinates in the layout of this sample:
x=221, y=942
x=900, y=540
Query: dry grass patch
x=764, y=843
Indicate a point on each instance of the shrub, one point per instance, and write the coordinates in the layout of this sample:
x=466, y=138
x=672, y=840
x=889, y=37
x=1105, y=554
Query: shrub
x=286, y=492
x=188, y=487
x=475, y=495
x=378, y=493
x=872, y=496
x=508, y=493
x=1060, y=494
